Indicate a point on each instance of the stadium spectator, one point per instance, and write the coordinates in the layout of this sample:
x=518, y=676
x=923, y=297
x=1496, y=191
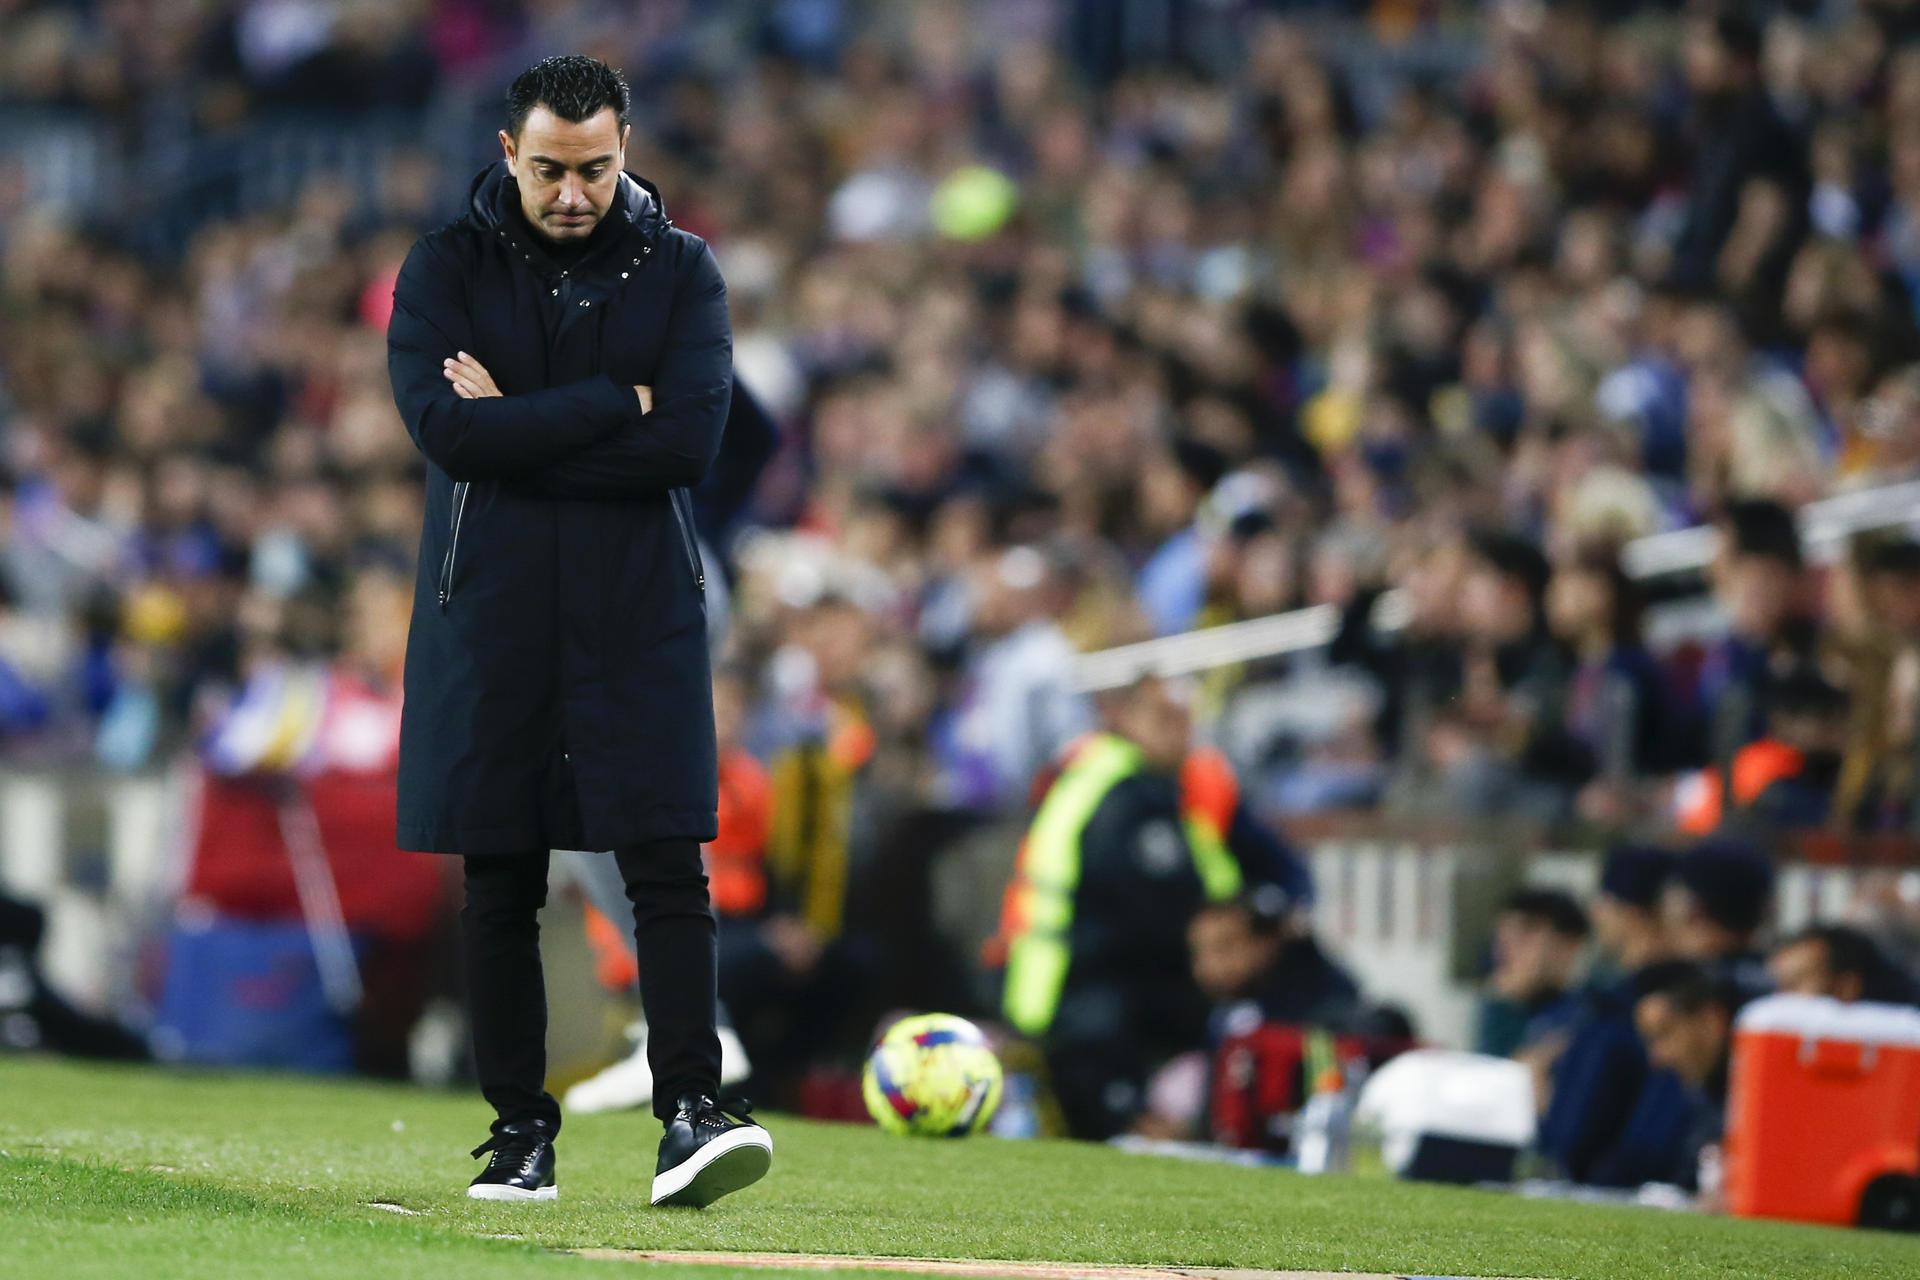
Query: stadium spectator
x=1759, y=582
x=1878, y=618
x=1173, y=582
x=1834, y=960
x=1589, y=1089
x=1531, y=993
x=1716, y=908
x=1685, y=1017
x=1016, y=706
x=1292, y=323
x=296, y=781
x=1260, y=948
x=1496, y=745
x=1786, y=779
x=1618, y=723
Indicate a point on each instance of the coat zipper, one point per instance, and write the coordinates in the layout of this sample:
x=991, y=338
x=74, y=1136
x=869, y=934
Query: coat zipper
x=453, y=541
x=686, y=542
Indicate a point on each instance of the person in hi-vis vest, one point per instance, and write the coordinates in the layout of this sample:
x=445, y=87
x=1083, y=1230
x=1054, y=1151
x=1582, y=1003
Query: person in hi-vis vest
x=1111, y=871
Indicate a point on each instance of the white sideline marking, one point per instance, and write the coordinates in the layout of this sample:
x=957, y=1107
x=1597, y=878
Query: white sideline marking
x=983, y=1270
x=390, y=1207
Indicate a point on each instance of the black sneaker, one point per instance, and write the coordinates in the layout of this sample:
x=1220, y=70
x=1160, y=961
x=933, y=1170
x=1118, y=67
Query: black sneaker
x=707, y=1153
x=522, y=1164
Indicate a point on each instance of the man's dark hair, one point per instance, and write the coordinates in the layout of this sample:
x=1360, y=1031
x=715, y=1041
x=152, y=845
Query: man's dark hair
x=1758, y=527
x=572, y=86
x=1898, y=558
x=1552, y=908
x=1686, y=986
x=1850, y=951
x=1263, y=910
x=1739, y=34
x=1515, y=558
x=1629, y=605
x=1731, y=882
x=1804, y=690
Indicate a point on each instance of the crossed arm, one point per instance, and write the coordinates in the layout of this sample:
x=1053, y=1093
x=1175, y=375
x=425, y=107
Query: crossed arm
x=589, y=439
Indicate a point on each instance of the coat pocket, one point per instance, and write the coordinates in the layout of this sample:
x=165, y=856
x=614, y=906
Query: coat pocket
x=459, y=512
x=684, y=524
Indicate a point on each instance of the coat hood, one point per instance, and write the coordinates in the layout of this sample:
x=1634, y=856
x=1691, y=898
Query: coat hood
x=494, y=194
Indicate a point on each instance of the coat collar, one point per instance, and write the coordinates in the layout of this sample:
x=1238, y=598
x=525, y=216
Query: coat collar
x=493, y=196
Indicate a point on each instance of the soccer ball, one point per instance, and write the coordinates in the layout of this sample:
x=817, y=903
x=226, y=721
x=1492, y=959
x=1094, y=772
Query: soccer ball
x=932, y=1075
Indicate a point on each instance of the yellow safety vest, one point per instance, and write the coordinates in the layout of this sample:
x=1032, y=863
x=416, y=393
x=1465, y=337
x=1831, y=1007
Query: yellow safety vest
x=1038, y=953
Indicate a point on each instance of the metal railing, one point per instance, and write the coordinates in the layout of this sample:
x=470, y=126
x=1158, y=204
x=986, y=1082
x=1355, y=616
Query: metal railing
x=1824, y=526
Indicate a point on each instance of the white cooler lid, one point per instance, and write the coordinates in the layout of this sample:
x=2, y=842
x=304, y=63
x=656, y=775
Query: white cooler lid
x=1824, y=1018
x=1451, y=1094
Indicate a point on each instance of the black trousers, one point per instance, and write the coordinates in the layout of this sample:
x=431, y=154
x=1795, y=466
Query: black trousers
x=507, y=992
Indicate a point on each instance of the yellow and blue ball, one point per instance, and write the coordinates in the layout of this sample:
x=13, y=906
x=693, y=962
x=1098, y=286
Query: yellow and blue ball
x=933, y=1075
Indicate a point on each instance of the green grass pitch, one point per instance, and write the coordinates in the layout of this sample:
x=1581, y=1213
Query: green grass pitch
x=111, y=1171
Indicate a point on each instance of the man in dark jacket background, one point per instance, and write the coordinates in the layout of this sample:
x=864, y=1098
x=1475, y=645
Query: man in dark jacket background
x=562, y=357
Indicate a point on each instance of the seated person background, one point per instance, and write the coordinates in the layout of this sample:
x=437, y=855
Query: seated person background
x=1834, y=960
x=1257, y=949
x=1109, y=876
x=1536, y=951
x=1786, y=778
x=1685, y=1017
x=1716, y=908
x=1588, y=1090
x=1282, y=1010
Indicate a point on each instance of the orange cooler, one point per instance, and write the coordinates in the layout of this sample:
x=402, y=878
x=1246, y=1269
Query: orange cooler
x=1823, y=1112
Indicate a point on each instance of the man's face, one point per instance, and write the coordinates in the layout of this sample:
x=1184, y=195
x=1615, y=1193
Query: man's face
x=1612, y=923
x=1530, y=959
x=567, y=172
x=1155, y=717
x=1687, y=927
x=1894, y=600
x=1689, y=1044
x=1757, y=593
x=1802, y=969
x=1227, y=954
x=1496, y=607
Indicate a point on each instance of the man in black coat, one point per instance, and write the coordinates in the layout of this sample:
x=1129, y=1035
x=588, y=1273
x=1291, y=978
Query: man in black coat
x=562, y=356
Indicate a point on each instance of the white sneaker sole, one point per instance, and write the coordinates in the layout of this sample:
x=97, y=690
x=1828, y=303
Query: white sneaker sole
x=725, y=1165
x=493, y=1191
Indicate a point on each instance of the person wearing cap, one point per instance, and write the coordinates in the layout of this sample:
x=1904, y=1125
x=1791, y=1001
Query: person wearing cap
x=1715, y=907
x=1112, y=870
x=1627, y=925
x=1590, y=1088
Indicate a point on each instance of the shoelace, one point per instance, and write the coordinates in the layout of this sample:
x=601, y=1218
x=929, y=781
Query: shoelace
x=733, y=1108
x=514, y=1145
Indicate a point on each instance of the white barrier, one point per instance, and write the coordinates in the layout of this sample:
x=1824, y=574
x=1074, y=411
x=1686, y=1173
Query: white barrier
x=1408, y=919
x=1387, y=911
x=131, y=825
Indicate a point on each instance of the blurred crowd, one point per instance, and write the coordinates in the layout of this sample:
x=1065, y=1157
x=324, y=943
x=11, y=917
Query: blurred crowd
x=1069, y=343
x=1075, y=329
